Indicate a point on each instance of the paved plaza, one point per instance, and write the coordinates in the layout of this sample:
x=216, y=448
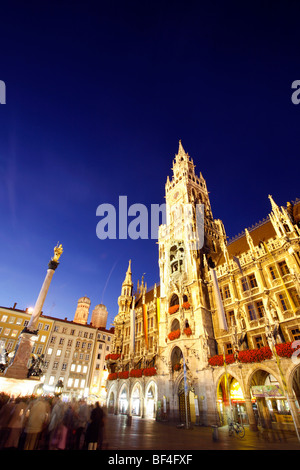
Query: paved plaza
x=144, y=434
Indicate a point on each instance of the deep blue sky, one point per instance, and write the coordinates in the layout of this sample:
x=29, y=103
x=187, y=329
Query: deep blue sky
x=98, y=96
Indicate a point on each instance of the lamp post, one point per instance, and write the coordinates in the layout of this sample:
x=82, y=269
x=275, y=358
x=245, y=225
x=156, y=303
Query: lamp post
x=58, y=388
x=19, y=367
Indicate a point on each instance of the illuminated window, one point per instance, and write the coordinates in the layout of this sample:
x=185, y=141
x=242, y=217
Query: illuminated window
x=251, y=312
x=283, y=268
x=231, y=318
x=258, y=342
x=260, y=308
x=252, y=281
x=273, y=272
x=284, y=302
x=245, y=284
x=295, y=334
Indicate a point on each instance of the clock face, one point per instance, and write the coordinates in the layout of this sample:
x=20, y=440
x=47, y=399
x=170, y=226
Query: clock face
x=176, y=195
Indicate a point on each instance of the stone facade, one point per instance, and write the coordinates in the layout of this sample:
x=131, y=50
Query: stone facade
x=214, y=298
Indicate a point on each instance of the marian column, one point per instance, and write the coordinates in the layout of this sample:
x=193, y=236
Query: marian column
x=19, y=367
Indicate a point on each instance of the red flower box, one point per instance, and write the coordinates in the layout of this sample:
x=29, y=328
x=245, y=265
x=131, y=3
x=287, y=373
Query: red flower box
x=285, y=349
x=112, y=376
x=113, y=357
x=174, y=335
x=255, y=355
x=149, y=371
x=187, y=331
x=186, y=305
x=123, y=375
x=136, y=373
x=218, y=360
x=173, y=309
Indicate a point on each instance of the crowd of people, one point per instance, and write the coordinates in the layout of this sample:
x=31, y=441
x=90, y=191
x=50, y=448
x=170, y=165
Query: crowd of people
x=44, y=423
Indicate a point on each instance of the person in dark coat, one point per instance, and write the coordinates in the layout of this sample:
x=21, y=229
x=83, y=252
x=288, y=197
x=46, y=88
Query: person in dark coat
x=94, y=430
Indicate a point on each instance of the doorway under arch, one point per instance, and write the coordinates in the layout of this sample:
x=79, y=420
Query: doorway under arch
x=111, y=403
x=123, y=401
x=136, y=400
x=231, y=401
x=270, y=401
x=151, y=400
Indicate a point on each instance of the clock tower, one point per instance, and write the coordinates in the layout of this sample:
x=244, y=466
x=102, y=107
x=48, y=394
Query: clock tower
x=190, y=239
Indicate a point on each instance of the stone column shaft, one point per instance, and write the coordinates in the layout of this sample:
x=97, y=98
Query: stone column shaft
x=32, y=325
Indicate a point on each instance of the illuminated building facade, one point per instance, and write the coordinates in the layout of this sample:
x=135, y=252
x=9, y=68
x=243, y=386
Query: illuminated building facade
x=236, y=299
x=74, y=351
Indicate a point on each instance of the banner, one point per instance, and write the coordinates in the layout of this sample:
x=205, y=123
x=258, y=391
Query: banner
x=145, y=324
x=267, y=391
x=220, y=309
x=184, y=376
x=158, y=312
x=132, y=327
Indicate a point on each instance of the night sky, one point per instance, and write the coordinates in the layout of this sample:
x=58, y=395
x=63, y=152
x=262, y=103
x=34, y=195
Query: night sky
x=98, y=95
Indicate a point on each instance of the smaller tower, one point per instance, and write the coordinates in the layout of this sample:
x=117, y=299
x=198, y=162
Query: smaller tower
x=99, y=316
x=82, y=311
x=125, y=298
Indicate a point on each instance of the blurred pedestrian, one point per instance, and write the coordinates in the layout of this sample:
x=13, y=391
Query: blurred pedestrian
x=69, y=423
x=38, y=419
x=55, y=423
x=5, y=416
x=16, y=423
x=82, y=419
x=94, y=428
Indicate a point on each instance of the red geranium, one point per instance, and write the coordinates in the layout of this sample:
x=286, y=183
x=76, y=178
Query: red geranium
x=174, y=335
x=187, y=331
x=186, y=305
x=173, y=309
x=123, y=375
x=285, y=349
x=149, y=371
x=113, y=357
x=255, y=355
x=112, y=376
x=136, y=373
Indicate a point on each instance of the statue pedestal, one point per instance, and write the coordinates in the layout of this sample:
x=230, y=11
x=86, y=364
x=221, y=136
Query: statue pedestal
x=19, y=367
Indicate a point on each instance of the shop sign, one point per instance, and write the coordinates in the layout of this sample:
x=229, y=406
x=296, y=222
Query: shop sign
x=267, y=391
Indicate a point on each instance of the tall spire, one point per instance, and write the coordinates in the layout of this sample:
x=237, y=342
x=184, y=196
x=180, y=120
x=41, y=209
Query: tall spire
x=128, y=277
x=181, y=150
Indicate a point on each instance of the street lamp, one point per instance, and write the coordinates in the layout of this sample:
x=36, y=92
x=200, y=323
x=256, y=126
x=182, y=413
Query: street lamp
x=58, y=388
